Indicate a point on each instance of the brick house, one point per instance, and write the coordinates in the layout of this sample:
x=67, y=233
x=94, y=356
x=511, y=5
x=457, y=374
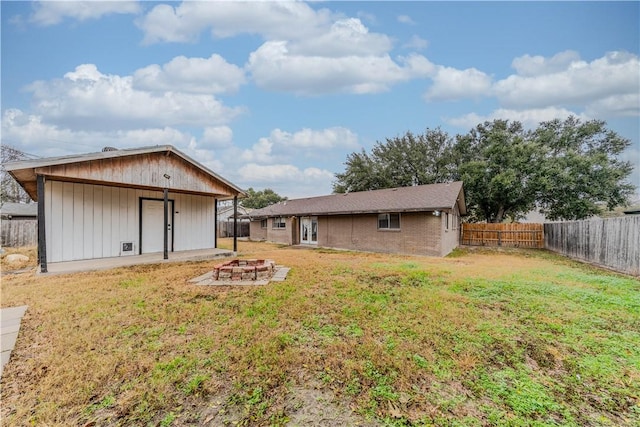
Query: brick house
x=420, y=220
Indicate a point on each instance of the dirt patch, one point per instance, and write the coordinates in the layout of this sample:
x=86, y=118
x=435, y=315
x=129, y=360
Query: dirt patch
x=314, y=407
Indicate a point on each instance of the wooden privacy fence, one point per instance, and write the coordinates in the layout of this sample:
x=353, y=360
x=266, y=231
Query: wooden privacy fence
x=513, y=235
x=18, y=233
x=611, y=242
x=225, y=229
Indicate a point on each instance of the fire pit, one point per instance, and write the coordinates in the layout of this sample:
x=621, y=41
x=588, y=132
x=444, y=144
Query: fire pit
x=244, y=269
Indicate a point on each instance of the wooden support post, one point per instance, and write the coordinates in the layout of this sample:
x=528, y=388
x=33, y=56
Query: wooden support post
x=166, y=223
x=215, y=221
x=42, y=238
x=235, y=223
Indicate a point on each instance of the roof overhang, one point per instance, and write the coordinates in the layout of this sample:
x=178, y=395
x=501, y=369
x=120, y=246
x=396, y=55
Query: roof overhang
x=67, y=168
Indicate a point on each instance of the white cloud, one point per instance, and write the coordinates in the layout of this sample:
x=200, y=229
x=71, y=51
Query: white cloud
x=53, y=12
x=346, y=37
x=32, y=134
x=605, y=87
x=450, y=83
x=195, y=75
x=306, y=51
x=529, y=118
x=416, y=42
x=29, y=133
x=320, y=140
x=184, y=23
x=615, y=105
x=88, y=99
x=216, y=137
x=566, y=80
x=274, y=67
x=528, y=66
x=406, y=19
x=260, y=152
x=282, y=146
x=287, y=180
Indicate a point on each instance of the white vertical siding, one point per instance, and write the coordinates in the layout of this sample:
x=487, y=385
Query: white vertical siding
x=78, y=221
x=106, y=222
x=67, y=220
x=114, y=241
x=133, y=215
x=89, y=221
x=96, y=226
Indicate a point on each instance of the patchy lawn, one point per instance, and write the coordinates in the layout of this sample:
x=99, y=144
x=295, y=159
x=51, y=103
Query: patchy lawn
x=514, y=338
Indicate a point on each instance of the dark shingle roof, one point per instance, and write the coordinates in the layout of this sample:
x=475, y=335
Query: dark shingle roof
x=405, y=199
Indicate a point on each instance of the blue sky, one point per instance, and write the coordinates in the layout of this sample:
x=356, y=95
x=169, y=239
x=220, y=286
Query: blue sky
x=276, y=94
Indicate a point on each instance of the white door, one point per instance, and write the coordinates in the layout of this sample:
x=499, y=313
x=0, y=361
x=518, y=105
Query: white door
x=153, y=226
x=309, y=230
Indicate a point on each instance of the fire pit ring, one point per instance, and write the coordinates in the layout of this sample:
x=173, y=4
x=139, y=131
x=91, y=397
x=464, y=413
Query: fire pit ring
x=244, y=269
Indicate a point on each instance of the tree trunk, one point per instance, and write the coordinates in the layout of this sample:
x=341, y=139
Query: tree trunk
x=499, y=216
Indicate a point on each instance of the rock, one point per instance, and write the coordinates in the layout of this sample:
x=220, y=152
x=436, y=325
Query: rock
x=16, y=258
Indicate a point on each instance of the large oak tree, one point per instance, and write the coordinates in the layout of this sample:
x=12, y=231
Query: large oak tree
x=565, y=169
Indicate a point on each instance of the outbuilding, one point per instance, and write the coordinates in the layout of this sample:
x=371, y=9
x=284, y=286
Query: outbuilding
x=122, y=202
x=420, y=220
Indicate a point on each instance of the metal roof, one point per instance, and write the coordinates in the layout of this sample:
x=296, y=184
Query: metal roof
x=20, y=169
x=419, y=198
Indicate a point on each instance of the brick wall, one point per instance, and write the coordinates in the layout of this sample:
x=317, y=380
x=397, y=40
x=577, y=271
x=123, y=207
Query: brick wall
x=256, y=232
x=420, y=234
x=277, y=235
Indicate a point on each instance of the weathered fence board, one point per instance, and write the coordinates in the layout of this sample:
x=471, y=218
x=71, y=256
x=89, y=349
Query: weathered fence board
x=611, y=242
x=514, y=235
x=225, y=229
x=18, y=233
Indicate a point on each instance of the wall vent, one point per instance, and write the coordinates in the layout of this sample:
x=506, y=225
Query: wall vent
x=126, y=248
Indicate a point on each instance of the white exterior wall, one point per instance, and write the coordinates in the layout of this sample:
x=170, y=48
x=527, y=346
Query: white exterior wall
x=89, y=221
x=194, y=222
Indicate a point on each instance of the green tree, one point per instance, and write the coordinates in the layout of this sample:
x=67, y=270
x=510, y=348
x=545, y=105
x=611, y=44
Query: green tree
x=581, y=171
x=567, y=169
x=399, y=162
x=261, y=199
x=498, y=164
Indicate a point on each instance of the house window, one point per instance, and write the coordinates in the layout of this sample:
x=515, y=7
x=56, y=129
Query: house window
x=263, y=223
x=278, y=222
x=446, y=220
x=389, y=221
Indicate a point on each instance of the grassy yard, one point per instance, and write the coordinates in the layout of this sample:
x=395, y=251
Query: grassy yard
x=515, y=338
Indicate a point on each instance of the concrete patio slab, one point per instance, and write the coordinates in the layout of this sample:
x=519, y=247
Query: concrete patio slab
x=10, y=319
x=127, y=261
